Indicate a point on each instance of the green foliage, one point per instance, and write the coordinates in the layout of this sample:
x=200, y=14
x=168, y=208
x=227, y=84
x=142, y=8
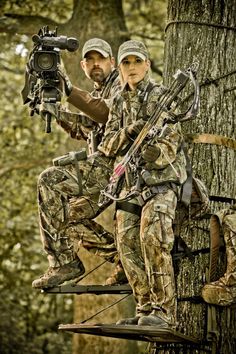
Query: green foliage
x=58, y=11
x=29, y=319
x=146, y=21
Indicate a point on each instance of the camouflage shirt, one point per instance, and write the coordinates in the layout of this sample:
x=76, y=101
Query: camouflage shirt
x=130, y=106
x=109, y=88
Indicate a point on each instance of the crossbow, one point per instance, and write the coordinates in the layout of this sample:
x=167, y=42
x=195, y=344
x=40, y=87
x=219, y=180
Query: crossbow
x=181, y=78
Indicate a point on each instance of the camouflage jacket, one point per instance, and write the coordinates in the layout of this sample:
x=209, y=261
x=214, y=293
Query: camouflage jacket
x=128, y=107
x=94, y=105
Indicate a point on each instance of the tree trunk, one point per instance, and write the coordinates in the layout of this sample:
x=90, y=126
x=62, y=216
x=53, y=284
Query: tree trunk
x=204, y=31
x=95, y=18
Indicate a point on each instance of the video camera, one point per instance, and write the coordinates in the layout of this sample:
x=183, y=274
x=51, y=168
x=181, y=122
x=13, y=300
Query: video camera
x=42, y=81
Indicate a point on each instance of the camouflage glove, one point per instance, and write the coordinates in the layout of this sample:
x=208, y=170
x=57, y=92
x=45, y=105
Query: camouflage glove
x=51, y=108
x=134, y=129
x=66, y=83
x=150, y=153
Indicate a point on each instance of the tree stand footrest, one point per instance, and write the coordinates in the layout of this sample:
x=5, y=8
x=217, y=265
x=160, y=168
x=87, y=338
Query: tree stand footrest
x=139, y=333
x=89, y=289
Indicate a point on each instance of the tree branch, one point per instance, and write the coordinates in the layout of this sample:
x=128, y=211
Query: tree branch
x=22, y=24
x=23, y=166
x=11, y=70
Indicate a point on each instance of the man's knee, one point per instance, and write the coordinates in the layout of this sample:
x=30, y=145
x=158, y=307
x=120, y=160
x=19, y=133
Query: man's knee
x=158, y=231
x=82, y=208
x=51, y=176
x=46, y=174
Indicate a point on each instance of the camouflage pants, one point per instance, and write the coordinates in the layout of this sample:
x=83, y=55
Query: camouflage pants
x=65, y=217
x=144, y=245
x=222, y=292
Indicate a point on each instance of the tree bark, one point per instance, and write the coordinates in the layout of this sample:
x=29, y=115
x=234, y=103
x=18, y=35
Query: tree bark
x=205, y=31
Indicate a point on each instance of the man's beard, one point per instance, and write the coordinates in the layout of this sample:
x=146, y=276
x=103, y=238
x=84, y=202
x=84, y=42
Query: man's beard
x=97, y=75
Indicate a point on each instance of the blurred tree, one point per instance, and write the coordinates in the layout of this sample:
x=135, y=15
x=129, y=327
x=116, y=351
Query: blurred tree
x=24, y=152
x=29, y=319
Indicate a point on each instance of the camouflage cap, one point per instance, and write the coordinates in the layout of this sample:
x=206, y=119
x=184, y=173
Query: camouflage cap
x=132, y=47
x=99, y=45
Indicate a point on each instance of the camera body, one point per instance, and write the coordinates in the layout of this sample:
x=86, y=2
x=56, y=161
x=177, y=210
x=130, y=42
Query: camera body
x=42, y=81
x=46, y=53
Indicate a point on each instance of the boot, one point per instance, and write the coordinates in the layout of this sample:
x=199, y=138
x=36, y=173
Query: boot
x=118, y=276
x=223, y=291
x=55, y=276
x=219, y=293
x=153, y=320
x=128, y=321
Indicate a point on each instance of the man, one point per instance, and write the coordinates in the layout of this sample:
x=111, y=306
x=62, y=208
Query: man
x=66, y=216
x=144, y=222
x=98, y=65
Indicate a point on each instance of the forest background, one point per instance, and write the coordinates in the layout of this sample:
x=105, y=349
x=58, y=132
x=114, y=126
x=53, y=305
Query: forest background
x=29, y=319
x=176, y=32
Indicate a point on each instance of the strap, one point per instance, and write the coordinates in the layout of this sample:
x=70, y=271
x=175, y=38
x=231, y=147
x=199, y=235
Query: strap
x=149, y=192
x=214, y=245
x=129, y=207
x=186, y=190
x=211, y=139
x=222, y=199
x=142, y=198
x=144, y=101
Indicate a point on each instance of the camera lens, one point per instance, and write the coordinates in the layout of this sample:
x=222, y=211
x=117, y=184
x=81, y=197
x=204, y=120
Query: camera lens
x=45, y=61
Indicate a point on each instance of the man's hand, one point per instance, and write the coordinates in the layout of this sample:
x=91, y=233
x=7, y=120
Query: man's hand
x=66, y=83
x=134, y=129
x=151, y=153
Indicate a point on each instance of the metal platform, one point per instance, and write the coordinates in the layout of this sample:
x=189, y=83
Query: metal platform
x=139, y=333
x=89, y=289
x=104, y=289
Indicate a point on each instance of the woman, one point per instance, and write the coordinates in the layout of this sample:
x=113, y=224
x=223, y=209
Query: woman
x=144, y=234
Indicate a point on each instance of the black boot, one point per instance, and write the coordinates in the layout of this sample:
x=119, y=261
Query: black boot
x=153, y=320
x=128, y=321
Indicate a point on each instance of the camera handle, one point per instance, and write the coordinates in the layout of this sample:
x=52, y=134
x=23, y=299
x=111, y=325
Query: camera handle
x=50, y=94
x=48, y=117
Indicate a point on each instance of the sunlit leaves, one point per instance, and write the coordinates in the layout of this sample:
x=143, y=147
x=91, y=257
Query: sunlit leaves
x=60, y=11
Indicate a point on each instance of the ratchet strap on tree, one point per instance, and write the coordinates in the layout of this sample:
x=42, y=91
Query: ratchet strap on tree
x=211, y=139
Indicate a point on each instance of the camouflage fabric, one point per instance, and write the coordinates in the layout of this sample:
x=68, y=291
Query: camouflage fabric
x=132, y=47
x=171, y=164
x=65, y=215
x=79, y=125
x=109, y=88
x=223, y=291
x=144, y=246
x=98, y=45
x=144, y=243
